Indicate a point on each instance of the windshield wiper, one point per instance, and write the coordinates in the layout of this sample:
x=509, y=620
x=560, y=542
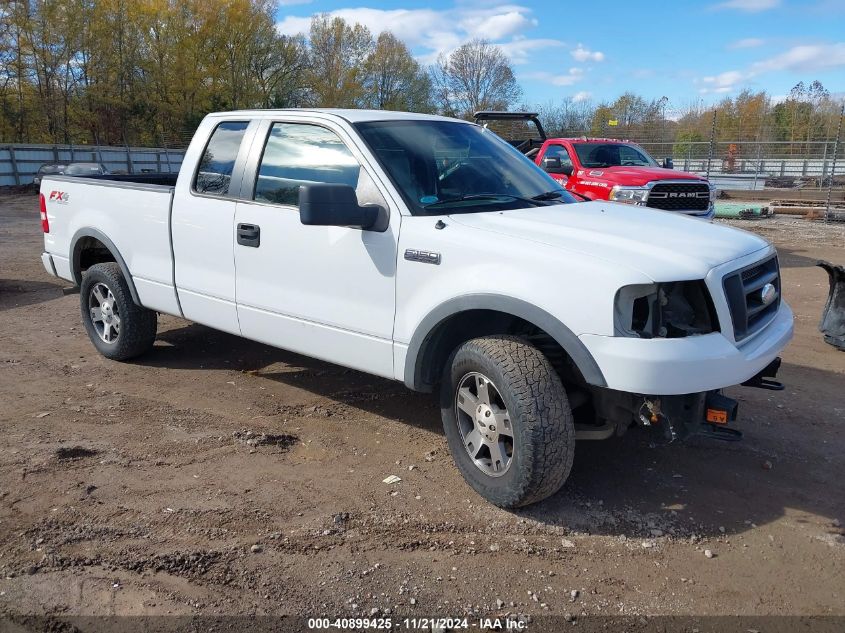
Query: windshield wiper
x=548, y=195
x=485, y=196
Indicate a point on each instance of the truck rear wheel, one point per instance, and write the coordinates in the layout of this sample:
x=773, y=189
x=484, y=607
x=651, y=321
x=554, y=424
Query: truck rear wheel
x=119, y=328
x=507, y=420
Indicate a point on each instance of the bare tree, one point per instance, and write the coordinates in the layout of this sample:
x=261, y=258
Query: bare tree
x=393, y=79
x=476, y=76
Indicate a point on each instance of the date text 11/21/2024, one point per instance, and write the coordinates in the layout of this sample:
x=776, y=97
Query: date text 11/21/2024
x=421, y=623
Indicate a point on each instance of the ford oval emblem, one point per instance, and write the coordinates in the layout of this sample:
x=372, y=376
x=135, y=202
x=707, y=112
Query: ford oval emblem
x=768, y=294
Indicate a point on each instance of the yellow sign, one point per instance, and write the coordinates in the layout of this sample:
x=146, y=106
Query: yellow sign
x=613, y=122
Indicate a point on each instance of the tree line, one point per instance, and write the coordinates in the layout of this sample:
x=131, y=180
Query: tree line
x=145, y=72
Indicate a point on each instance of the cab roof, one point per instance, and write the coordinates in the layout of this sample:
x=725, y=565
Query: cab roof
x=350, y=115
x=585, y=139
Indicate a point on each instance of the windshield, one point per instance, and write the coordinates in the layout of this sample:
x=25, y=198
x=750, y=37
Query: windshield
x=443, y=167
x=612, y=155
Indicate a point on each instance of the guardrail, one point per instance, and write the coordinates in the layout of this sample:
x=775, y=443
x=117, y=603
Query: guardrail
x=20, y=162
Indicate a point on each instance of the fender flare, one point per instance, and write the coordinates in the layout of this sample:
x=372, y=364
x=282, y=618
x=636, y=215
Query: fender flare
x=565, y=337
x=76, y=253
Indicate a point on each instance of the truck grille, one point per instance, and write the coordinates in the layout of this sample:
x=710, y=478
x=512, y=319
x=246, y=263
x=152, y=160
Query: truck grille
x=679, y=196
x=744, y=290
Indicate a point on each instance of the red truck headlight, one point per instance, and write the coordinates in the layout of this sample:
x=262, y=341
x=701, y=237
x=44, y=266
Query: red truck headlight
x=629, y=195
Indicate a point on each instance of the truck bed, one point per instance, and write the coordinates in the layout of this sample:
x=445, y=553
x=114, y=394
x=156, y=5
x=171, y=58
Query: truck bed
x=130, y=211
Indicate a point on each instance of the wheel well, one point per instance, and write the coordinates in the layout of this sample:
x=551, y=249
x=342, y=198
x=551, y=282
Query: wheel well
x=469, y=324
x=89, y=251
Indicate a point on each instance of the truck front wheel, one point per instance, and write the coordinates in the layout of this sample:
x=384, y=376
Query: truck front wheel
x=507, y=420
x=117, y=327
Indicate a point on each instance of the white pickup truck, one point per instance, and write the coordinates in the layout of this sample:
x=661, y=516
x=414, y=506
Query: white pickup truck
x=428, y=250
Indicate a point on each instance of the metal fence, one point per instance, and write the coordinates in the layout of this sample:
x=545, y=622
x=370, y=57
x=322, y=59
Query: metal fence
x=758, y=165
x=20, y=162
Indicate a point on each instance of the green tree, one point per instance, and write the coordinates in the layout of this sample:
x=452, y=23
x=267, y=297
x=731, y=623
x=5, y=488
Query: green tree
x=336, y=62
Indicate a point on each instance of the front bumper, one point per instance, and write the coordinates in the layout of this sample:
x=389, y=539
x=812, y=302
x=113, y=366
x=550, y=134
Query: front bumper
x=707, y=215
x=687, y=365
x=696, y=213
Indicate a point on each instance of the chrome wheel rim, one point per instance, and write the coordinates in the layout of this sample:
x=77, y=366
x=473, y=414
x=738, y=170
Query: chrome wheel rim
x=484, y=424
x=104, y=313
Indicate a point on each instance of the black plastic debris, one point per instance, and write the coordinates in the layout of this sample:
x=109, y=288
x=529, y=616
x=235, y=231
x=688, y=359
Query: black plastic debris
x=832, y=325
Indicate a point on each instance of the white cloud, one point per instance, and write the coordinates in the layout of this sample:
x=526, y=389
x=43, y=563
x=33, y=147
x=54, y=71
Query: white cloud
x=750, y=6
x=498, y=25
x=723, y=82
x=520, y=48
x=581, y=54
x=806, y=58
x=429, y=33
x=572, y=76
x=582, y=96
x=803, y=58
x=747, y=42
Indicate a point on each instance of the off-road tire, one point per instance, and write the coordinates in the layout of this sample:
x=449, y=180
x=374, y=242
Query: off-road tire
x=137, y=325
x=543, y=428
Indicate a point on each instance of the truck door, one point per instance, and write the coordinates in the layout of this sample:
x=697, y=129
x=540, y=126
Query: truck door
x=202, y=219
x=324, y=291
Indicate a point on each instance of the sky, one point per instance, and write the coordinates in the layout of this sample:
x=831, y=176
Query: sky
x=687, y=51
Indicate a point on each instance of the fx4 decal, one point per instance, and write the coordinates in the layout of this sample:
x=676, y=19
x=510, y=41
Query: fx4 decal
x=59, y=197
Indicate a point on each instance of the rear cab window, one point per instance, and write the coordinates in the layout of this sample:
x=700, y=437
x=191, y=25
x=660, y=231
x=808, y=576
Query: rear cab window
x=214, y=172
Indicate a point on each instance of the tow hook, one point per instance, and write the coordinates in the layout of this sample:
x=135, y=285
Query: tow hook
x=763, y=379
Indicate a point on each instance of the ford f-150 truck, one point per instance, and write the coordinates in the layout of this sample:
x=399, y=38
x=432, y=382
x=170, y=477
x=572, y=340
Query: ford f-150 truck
x=611, y=169
x=428, y=250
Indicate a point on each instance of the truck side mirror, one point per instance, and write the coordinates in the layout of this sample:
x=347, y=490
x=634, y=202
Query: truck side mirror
x=337, y=205
x=553, y=165
x=668, y=163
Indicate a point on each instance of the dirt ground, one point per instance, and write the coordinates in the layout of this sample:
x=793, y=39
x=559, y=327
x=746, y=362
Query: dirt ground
x=219, y=476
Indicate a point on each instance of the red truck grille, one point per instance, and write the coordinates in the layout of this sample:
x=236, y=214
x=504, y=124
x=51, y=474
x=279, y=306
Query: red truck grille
x=679, y=196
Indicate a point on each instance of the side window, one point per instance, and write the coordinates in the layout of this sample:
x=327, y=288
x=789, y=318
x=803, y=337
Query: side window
x=214, y=173
x=558, y=151
x=301, y=154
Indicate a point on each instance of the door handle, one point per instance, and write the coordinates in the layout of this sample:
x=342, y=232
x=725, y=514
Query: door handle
x=249, y=235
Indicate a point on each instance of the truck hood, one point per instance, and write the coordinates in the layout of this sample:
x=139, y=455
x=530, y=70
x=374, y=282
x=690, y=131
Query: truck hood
x=635, y=176
x=664, y=246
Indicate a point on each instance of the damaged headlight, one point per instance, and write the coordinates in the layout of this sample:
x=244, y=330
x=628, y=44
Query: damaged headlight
x=665, y=310
x=629, y=195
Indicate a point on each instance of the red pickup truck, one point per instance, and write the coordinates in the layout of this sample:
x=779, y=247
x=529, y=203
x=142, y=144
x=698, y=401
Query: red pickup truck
x=608, y=169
